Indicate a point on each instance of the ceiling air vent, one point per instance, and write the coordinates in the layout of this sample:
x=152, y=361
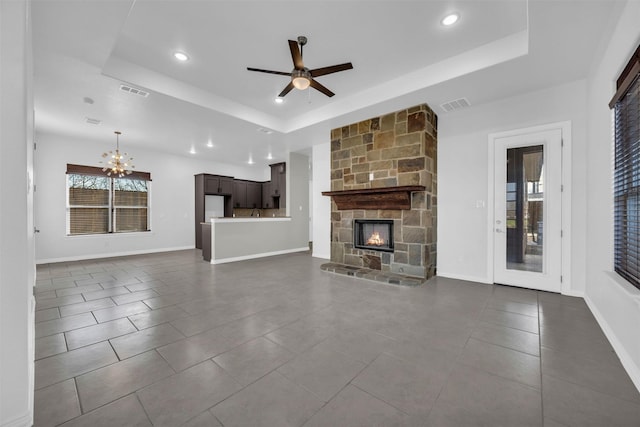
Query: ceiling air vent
x=456, y=104
x=134, y=91
x=92, y=121
x=263, y=130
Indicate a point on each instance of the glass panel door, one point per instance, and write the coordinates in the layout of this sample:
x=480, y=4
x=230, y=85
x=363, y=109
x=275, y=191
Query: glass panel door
x=525, y=208
x=528, y=210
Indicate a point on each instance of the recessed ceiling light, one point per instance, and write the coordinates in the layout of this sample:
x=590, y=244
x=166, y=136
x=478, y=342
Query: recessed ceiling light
x=450, y=19
x=210, y=144
x=181, y=56
x=269, y=156
x=279, y=100
x=192, y=151
x=250, y=161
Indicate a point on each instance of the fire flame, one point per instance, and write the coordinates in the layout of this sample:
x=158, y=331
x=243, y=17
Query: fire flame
x=375, y=239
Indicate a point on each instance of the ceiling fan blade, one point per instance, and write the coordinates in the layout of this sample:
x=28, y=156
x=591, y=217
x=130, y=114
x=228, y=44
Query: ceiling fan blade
x=295, y=55
x=332, y=69
x=281, y=73
x=321, y=88
x=286, y=90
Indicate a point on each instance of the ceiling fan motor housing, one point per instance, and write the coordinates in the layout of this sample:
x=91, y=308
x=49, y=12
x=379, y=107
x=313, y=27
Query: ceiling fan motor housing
x=304, y=73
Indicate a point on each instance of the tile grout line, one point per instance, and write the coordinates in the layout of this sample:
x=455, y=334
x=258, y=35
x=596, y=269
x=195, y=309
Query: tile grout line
x=503, y=346
x=75, y=385
x=135, y=393
x=216, y=418
x=379, y=398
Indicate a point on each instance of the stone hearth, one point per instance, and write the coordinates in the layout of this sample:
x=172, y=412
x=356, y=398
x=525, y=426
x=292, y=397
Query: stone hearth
x=371, y=274
x=383, y=155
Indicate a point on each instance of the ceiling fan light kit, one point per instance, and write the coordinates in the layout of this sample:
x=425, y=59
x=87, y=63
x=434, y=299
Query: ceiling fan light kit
x=301, y=76
x=300, y=79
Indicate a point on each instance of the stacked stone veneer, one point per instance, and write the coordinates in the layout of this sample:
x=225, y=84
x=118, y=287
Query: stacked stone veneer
x=398, y=149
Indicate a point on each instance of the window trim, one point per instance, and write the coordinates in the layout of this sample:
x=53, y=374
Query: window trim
x=624, y=168
x=111, y=208
x=624, y=86
x=92, y=170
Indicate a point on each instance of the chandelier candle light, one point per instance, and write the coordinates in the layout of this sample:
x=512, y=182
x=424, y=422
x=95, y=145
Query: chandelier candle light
x=117, y=165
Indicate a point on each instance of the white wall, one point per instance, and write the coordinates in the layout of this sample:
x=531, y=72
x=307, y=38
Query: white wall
x=298, y=200
x=319, y=137
x=463, y=176
x=321, y=204
x=172, y=199
x=615, y=302
x=17, y=268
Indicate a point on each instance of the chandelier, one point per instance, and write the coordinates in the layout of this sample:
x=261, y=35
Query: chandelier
x=117, y=165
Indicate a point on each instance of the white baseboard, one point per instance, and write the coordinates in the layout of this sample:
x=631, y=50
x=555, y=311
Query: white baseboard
x=260, y=255
x=112, y=254
x=572, y=293
x=463, y=277
x=24, y=420
x=321, y=255
x=627, y=361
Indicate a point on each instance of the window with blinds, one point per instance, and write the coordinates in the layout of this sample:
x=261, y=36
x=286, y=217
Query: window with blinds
x=627, y=172
x=98, y=204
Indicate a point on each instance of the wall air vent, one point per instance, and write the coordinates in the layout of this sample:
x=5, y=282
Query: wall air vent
x=456, y=104
x=92, y=121
x=134, y=91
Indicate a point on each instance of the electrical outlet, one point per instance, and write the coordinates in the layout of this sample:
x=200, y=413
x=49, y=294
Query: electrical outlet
x=370, y=176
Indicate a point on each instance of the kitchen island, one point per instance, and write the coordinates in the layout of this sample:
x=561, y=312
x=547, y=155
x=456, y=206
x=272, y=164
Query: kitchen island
x=242, y=238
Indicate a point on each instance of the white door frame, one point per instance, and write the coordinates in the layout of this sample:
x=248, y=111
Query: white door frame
x=565, y=130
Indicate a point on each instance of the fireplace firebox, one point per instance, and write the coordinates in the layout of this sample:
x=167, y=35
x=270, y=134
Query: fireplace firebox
x=373, y=234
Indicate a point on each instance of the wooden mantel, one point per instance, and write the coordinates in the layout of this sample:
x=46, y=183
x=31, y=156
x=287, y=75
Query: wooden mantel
x=375, y=198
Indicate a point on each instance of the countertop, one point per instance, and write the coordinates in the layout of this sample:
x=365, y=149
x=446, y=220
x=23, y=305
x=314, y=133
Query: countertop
x=249, y=219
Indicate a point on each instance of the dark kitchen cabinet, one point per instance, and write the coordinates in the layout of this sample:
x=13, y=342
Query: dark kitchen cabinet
x=247, y=194
x=267, y=199
x=211, y=184
x=239, y=194
x=254, y=195
x=206, y=184
x=278, y=184
x=226, y=186
x=206, y=241
x=218, y=185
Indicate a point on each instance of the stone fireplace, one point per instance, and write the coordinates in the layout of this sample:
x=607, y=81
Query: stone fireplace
x=384, y=170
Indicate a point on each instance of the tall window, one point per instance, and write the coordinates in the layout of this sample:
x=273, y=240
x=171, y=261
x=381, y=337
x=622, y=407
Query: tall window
x=98, y=204
x=627, y=172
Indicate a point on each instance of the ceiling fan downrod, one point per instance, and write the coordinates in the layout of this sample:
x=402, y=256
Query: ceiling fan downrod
x=302, y=40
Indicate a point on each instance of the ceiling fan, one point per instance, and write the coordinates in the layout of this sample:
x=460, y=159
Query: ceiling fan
x=301, y=76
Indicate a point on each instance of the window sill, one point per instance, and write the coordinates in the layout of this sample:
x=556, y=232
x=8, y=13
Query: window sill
x=130, y=233
x=627, y=288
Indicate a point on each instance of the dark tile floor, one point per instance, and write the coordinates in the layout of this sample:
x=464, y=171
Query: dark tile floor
x=169, y=340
